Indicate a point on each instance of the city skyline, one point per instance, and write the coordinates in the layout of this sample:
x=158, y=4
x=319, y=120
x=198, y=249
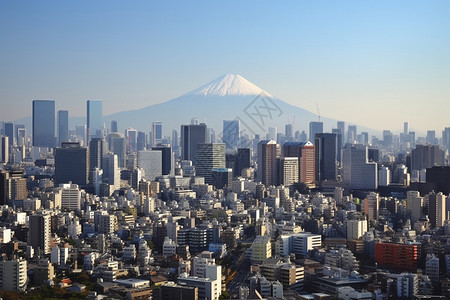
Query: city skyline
x=344, y=58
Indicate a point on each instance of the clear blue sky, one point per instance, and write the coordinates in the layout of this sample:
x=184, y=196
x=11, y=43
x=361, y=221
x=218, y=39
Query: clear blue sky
x=374, y=63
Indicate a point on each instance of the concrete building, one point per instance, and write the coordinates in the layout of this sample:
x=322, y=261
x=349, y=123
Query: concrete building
x=358, y=172
x=13, y=275
x=70, y=196
x=356, y=229
x=268, y=152
x=40, y=233
x=209, y=157
x=261, y=249
x=305, y=152
x=151, y=162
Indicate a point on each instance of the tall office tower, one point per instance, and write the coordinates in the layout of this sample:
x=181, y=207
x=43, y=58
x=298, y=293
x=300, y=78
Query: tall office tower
x=426, y=156
x=191, y=136
x=141, y=141
x=242, y=161
x=70, y=196
x=341, y=128
x=436, y=209
x=97, y=148
x=388, y=139
x=43, y=123
x=13, y=275
x=339, y=140
x=305, y=153
x=167, y=159
x=289, y=132
x=114, y=127
x=131, y=139
x=63, y=126
x=111, y=171
x=9, y=132
x=314, y=128
x=157, y=134
x=287, y=170
x=39, y=234
x=151, y=162
x=71, y=164
x=364, y=138
x=4, y=149
x=431, y=137
x=405, y=127
x=351, y=134
x=272, y=134
x=175, y=139
x=94, y=120
x=80, y=132
x=358, y=172
x=4, y=176
x=117, y=147
x=211, y=136
x=326, y=156
x=446, y=138
x=231, y=134
x=20, y=134
x=268, y=152
x=209, y=156
x=371, y=206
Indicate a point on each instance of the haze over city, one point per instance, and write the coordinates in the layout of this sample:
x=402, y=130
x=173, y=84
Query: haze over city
x=357, y=61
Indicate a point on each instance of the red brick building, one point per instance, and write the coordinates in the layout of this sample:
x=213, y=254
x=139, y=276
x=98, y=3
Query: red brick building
x=400, y=257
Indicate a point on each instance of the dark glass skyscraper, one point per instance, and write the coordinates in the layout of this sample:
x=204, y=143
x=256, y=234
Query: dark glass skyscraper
x=114, y=126
x=326, y=156
x=156, y=133
x=9, y=132
x=44, y=123
x=94, y=120
x=71, y=164
x=191, y=136
x=63, y=126
x=167, y=159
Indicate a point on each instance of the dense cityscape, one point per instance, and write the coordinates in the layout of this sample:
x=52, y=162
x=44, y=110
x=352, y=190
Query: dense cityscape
x=194, y=212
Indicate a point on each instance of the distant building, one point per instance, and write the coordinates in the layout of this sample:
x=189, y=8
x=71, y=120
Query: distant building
x=151, y=162
x=315, y=128
x=268, y=152
x=191, y=136
x=326, y=156
x=209, y=157
x=305, y=153
x=44, y=123
x=358, y=172
x=94, y=120
x=63, y=127
x=71, y=164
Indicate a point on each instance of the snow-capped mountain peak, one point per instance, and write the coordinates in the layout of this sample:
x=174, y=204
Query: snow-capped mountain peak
x=229, y=85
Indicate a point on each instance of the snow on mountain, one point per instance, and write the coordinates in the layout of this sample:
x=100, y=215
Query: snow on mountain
x=229, y=85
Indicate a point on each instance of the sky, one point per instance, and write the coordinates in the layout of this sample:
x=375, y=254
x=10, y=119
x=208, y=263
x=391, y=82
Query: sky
x=372, y=63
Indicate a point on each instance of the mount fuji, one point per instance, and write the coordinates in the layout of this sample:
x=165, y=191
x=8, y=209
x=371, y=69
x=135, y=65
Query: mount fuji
x=227, y=98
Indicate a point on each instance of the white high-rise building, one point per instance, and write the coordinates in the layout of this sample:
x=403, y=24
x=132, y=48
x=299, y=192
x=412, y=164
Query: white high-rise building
x=169, y=247
x=384, y=176
x=210, y=287
x=356, y=229
x=111, y=171
x=70, y=196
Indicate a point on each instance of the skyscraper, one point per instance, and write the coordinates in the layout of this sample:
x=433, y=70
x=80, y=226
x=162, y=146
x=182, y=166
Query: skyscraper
x=111, y=172
x=71, y=164
x=156, y=133
x=191, y=136
x=326, y=156
x=341, y=128
x=305, y=153
x=289, y=132
x=288, y=170
x=151, y=162
x=268, y=152
x=242, y=161
x=230, y=134
x=43, y=123
x=358, y=172
x=114, y=126
x=351, y=134
x=436, y=209
x=117, y=146
x=209, y=156
x=97, y=149
x=167, y=159
x=131, y=139
x=94, y=120
x=314, y=128
x=141, y=141
x=20, y=134
x=9, y=132
x=40, y=232
x=426, y=156
x=4, y=149
x=63, y=127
